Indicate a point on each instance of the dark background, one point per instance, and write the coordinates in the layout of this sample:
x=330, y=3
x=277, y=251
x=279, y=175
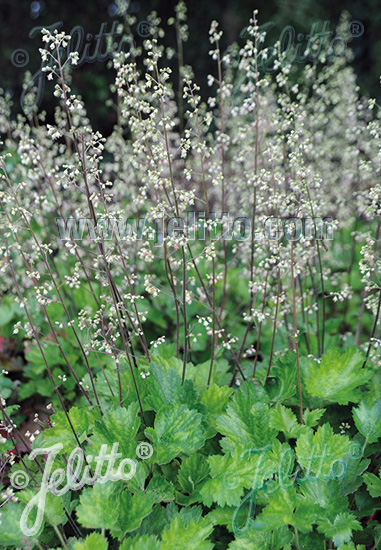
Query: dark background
x=92, y=81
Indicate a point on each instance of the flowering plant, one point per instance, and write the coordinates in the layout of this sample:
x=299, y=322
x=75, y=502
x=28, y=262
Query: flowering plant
x=165, y=330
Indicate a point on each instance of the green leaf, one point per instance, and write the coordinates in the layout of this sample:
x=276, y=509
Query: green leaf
x=162, y=489
x=318, y=452
x=54, y=510
x=368, y=420
x=5, y=445
x=10, y=532
x=373, y=484
x=118, y=426
x=192, y=471
x=131, y=511
x=286, y=509
x=366, y=505
x=228, y=479
x=220, y=375
x=246, y=422
x=337, y=378
x=188, y=500
x=284, y=420
x=231, y=474
x=6, y=385
x=252, y=539
x=177, y=430
x=311, y=418
x=215, y=400
x=6, y=314
x=96, y=508
x=284, y=373
x=144, y=542
x=51, y=352
x=187, y=536
x=324, y=496
x=222, y=516
x=62, y=432
x=351, y=546
x=340, y=530
x=313, y=540
x=95, y=541
x=159, y=519
x=352, y=479
x=166, y=387
x=191, y=513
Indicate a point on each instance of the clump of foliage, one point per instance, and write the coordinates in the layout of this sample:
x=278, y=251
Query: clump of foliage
x=249, y=363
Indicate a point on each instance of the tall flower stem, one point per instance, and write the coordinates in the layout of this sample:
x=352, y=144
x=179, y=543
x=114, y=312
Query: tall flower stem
x=296, y=345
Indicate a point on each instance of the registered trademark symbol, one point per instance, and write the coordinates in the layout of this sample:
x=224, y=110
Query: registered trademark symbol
x=144, y=29
x=355, y=450
x=356, y=28
x=144, y=450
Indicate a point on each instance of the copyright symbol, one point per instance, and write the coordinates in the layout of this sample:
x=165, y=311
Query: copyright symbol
x=144, y=450
x=144, y=29
x=19, y=58
x=19, y=479
x=230, y=480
